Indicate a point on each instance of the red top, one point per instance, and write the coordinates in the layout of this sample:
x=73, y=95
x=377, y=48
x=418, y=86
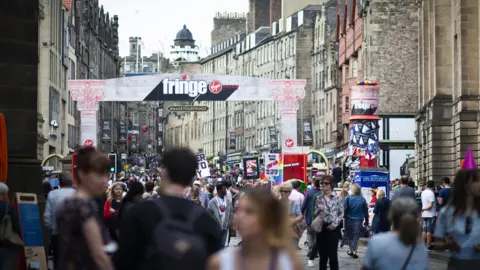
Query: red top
x=106, y=210
x=374, y=199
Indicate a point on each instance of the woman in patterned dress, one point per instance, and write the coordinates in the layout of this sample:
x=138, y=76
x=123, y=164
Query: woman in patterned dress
x=82, y=235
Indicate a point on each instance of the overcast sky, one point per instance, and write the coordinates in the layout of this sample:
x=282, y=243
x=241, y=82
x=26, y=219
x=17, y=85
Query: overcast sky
x=157, y=21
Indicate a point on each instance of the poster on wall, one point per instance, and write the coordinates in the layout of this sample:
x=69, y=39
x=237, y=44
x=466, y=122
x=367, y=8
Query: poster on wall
x=106, y=130
x=307, y=133
x=202, y=163
x=123, y=132
x=272, y=165
x=250, y=168
x=273, y=136
x=233, y=141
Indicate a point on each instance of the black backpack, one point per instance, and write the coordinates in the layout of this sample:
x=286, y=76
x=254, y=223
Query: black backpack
x=175, y=243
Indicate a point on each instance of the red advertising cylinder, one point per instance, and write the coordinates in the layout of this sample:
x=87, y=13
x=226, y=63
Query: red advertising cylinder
x=364, y=126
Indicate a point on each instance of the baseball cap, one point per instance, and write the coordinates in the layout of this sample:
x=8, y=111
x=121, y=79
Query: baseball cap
x=220, y=184
x=197, y=183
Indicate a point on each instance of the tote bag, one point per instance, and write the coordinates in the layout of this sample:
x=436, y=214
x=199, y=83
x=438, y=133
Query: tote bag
x=8, y=237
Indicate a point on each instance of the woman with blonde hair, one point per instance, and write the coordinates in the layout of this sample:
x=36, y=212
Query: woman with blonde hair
x=380, y=221
x=194, y=195
x=262, y=221
x=356, y=213
x=296, y=216
x=111, y=208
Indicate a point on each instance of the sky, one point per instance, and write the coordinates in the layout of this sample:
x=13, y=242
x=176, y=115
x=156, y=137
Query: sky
x=158, y=21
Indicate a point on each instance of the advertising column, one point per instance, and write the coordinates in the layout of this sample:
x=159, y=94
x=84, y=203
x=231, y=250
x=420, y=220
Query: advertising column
x=106, y=131
x=364, y=123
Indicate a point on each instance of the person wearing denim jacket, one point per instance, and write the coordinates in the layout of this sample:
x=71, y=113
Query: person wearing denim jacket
x=356, y=211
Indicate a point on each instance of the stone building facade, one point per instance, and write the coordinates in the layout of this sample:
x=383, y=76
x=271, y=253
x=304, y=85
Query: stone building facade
x=349, y=39
x=19, y=62
x=390, y=57
x=274, y=54
x=325, y=121
x=227, y=25
x=78, y=40
x=448, y=90
x=98, y=58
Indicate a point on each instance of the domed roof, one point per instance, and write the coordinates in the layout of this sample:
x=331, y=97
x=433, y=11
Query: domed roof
x=184, y=34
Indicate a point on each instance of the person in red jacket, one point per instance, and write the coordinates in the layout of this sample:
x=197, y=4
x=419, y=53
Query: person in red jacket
x=111, y=207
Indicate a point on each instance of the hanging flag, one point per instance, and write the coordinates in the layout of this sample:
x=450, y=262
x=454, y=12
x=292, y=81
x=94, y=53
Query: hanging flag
x=140, y=42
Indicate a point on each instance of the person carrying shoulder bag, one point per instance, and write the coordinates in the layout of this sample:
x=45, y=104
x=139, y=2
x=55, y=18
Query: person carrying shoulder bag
x=10, y=240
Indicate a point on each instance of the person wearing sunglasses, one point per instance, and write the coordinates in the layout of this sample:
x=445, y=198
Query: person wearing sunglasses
x=294, y=207
x=458, y=227
x=327, y=240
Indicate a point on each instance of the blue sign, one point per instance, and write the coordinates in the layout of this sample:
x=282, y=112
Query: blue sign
x=366, y=179
x=30, y=222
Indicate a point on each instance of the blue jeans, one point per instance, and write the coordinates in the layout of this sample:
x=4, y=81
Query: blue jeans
x=9, y=258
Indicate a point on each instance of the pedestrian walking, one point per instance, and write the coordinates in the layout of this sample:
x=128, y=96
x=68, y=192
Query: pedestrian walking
x=83, y=239
x=356, y=215
x=327, y=240
x=458, y=226
x=402, y=248
x=54, y=200
x=308, y=211
x=380, y=221
x=171, y=232
x=10, y=241
x=220, y=208
x=296, y=216
x=111, y=208
x=262, y=221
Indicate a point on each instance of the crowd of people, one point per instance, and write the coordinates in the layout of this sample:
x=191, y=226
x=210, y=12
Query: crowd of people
x=177, y=220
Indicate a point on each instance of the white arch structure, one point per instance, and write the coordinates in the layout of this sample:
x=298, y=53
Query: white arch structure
x=189, y=87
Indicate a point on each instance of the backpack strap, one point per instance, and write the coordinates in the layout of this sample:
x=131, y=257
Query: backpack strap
x=192, y=215
x=6, y=212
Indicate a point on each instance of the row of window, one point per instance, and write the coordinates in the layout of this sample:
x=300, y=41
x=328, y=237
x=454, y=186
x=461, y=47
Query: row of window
x=73, y=137
x=247, y=143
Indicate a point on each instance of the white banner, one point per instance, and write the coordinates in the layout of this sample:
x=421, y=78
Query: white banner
x=272, y=165
x=202, y=169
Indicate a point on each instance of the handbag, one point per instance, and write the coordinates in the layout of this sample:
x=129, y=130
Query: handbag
x=317, y=222
x=7, y=236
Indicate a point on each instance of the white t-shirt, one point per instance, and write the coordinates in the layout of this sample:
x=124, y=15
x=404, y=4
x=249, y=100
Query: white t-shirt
x=228, y=197
x=296, y=196
x=428, y=197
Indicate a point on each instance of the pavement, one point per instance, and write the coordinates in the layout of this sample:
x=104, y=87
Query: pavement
x=438, y=260
x=348, y=263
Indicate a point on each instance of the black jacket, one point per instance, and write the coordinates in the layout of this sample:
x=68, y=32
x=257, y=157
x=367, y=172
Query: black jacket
x=138, y=224
x=380, y=221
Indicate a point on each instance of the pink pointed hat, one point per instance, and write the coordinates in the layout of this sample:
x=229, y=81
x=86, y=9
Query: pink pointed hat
x=469, y=161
